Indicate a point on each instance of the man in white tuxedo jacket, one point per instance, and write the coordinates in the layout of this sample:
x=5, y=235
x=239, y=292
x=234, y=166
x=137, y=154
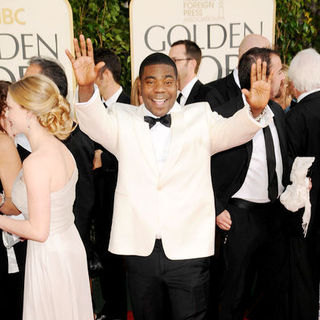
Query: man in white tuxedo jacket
x=164, y=214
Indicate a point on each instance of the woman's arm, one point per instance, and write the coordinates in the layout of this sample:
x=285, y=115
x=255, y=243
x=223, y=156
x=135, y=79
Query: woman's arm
x=10, y=165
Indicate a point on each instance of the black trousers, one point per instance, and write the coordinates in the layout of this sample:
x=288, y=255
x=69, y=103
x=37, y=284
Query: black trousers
x=12, y=285
x=255, y=243
x=163, y=289
x=113, y=276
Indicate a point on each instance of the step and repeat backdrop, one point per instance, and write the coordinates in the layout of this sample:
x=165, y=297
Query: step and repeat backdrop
x=217, y=26
x=34, y=28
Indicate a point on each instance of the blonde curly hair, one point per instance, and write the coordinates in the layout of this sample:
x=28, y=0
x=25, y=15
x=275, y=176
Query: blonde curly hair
x=40, y=95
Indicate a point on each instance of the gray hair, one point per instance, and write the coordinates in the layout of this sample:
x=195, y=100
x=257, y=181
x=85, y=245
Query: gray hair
x=304, y=70
x=54, y=70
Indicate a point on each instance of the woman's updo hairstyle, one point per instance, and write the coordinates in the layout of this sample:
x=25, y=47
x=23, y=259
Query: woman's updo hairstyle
x=40, y=95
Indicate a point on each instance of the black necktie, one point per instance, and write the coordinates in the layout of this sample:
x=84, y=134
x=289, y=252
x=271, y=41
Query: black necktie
x=179, y=97
x=271, y=164
x=165, y=120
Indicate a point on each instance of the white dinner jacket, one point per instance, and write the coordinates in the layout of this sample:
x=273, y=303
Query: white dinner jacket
x=180, y=197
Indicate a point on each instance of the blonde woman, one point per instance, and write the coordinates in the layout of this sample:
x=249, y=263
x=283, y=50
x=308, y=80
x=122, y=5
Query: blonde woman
x=56, y=276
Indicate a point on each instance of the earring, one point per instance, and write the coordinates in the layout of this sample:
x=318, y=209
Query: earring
x=28, y=124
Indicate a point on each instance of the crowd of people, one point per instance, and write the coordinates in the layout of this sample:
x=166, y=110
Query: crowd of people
x=174, y=193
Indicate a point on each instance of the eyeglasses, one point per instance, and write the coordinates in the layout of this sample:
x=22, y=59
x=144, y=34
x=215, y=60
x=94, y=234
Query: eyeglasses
x=181, y=59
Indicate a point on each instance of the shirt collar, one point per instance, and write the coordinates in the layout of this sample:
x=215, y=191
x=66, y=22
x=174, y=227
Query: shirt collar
x=235, y=74
x=187, y=89
x=303, y=95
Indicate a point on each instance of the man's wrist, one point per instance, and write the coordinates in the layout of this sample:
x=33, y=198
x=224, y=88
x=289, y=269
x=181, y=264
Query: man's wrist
x=85, y=92
x=260, y=116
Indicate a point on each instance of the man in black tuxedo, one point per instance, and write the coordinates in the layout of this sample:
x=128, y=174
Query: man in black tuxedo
x=187, y=56
x=79, y=144
x=247, y=181
x=303, y=130
x=229, y=86
x=113, y=276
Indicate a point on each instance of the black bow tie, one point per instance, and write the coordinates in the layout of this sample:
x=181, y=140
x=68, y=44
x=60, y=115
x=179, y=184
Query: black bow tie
x=165, y=120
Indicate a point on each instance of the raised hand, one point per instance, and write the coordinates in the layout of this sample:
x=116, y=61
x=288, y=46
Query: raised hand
x=83, y=66
x=259, y=93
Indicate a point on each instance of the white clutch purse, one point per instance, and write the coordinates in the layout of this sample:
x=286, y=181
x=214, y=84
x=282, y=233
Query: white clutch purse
x=297, y=195
x=9, y=239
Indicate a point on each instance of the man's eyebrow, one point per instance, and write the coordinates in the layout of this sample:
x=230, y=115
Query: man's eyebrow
x=164, y=77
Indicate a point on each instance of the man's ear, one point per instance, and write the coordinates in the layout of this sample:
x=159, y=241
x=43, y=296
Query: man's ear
x=193, y=63
x=106, y=74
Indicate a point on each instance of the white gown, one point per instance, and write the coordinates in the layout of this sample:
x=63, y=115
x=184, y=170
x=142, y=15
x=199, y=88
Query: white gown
x=56, y=276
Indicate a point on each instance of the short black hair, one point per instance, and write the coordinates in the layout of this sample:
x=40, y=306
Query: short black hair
x=157, y=58
x=54, y=71
x=111, y=60
x=248, y=59
x=193, y=51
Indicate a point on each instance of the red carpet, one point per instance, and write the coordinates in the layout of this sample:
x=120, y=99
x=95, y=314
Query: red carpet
x=130, y=316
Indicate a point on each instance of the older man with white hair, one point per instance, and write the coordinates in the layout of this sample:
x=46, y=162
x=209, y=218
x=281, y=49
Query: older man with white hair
x=303, y=129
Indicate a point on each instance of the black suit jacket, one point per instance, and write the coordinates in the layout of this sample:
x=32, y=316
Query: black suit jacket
x=229, y=168
x=226, y=87
x=203, y=93
x=303, y=130
x=82, y=149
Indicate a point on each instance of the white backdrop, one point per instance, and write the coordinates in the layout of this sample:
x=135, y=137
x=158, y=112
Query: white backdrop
x=31, y=28
x=217, y=26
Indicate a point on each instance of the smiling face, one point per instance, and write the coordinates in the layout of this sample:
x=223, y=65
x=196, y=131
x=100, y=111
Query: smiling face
x=158, y=87
x=17, y=116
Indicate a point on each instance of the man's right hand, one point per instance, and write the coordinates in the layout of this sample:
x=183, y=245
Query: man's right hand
x=84, y=68
x=224, y=220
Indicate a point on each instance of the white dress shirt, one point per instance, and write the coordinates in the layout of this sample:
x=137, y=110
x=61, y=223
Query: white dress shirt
x=255, y=185
x=303, y=95
x=186, y=91
x=161, y=138
x=235, y=74
x=113, y=98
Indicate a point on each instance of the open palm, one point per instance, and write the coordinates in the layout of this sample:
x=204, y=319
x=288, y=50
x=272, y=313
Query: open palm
x=259, y=93
x=83, y=64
